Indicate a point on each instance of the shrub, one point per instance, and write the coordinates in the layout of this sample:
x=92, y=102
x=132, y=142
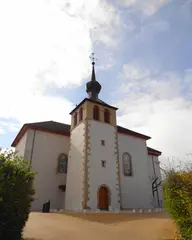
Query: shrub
x=178, y=200
x=16, y=195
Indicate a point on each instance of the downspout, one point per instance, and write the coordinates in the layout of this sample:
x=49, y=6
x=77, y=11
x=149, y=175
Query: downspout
x=156, y=182
x=33, y=141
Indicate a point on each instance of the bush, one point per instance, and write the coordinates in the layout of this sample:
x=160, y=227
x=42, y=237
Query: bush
x=178, y=200
x=16, y=195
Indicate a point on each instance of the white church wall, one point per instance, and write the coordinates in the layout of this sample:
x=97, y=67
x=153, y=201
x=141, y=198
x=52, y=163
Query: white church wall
x=75, y=175
x=20, y=148
x=46, y=150
x=154, y=172
x=29, y=144
x=97, y=174
x=135, y=190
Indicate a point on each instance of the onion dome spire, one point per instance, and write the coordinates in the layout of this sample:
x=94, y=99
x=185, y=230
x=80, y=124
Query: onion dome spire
x=93, y=87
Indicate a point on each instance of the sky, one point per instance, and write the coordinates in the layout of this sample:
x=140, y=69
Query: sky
x=144, y=64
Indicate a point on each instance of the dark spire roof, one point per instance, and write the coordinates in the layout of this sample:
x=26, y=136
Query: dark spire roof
x=93, y=87
x=93, y=77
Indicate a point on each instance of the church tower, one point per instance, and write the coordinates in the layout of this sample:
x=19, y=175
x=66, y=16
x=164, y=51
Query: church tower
x=93, y=180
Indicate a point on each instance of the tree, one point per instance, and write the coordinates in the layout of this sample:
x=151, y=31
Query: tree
x=16, y=195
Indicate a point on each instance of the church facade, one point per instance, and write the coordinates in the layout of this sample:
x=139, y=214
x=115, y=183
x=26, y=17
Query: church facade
x=92, y=163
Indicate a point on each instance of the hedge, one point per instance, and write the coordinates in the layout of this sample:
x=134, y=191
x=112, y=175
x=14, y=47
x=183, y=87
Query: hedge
x=16, y=195
x=178, y=200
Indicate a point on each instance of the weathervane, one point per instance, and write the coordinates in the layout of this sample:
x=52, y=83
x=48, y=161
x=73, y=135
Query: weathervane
x=93, y=59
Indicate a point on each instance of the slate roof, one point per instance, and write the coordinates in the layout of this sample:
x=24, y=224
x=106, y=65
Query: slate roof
x=48, y=126
x=51, y=126
x=132, y=133
x=64, y=129
x=98, y=101
x=151, y=150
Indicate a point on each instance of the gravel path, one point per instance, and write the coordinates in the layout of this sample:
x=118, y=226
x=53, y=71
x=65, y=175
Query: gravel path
x=92, y=226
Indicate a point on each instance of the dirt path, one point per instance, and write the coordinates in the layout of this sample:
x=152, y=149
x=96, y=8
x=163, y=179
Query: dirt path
x=152, y=226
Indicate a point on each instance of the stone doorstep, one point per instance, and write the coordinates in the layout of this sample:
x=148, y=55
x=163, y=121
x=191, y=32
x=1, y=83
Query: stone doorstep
x=150, y=210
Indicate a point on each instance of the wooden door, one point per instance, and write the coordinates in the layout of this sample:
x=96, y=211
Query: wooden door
x=103, y=198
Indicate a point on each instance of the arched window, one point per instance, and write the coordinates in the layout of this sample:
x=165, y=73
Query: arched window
x=62, y=163
x=106, y=116
x=75, y=119
x=127, y=165
x=96, y=112
x=81, y=114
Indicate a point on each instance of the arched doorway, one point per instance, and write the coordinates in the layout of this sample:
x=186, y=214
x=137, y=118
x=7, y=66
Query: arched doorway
x=103, y=198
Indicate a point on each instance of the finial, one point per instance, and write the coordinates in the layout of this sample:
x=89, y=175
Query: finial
x=93, y=87
x=93, y=59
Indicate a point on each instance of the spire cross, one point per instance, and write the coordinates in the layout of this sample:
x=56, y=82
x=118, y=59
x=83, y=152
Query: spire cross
x=93, y=59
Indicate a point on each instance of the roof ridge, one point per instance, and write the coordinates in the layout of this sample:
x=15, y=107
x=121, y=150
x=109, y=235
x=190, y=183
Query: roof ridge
x=152, y=149
x=31, y=123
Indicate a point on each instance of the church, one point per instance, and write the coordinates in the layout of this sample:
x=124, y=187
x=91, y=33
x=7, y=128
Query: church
x=92, y=164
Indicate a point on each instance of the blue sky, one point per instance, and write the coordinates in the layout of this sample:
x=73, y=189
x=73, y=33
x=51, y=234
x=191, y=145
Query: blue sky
x=144, y=64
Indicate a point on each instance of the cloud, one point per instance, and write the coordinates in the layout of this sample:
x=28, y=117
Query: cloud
x=155, y=89
x=47, y=43
x=148, y=7
x=162, y=39
x=101, y=17
x=159, y=105
x=10, y=126
x=2, y=131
